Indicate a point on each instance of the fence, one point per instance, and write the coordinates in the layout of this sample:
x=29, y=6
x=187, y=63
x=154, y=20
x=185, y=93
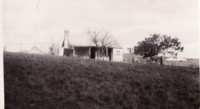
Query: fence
x=131, y=58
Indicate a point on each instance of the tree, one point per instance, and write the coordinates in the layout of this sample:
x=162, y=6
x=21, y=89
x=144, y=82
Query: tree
x=101, y=39
x=53, y=48
x=157, y=44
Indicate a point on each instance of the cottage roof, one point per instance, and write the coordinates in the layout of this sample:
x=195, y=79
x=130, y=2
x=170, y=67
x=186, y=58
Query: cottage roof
x=77, y=43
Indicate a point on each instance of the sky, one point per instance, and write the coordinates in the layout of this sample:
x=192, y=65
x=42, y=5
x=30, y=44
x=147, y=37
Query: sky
x=28, y=23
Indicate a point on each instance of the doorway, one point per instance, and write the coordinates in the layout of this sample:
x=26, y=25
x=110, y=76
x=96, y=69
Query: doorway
x=110, y=50
x=93, y=52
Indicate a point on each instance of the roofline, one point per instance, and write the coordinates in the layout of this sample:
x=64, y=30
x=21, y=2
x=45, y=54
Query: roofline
x=94, y=46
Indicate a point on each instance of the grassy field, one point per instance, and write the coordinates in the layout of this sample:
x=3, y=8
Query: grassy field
x=50, y=82
x=194, y=63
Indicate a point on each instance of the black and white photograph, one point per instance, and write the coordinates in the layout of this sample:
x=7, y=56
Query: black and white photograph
x=100, y=54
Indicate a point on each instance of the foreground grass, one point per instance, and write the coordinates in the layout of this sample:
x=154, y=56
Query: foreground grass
x=48, y=82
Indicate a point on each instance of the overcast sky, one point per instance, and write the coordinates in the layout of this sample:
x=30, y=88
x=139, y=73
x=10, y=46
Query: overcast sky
x=37, y=22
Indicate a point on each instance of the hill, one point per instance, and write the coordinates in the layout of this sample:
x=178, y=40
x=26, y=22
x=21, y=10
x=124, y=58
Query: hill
x=50, y=82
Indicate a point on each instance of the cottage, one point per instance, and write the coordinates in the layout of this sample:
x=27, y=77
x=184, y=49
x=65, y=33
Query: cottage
x=114, y=52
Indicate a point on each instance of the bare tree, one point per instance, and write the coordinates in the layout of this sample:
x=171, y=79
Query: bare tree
x=102, y=40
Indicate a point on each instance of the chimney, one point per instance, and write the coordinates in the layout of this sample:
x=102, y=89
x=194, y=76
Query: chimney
x=66, y=33
x=66, y=39
x=65, y=43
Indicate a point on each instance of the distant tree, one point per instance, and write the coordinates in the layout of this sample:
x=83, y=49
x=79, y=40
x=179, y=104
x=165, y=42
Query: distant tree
x=101, y=39
x=53, y=48
x=157, y=44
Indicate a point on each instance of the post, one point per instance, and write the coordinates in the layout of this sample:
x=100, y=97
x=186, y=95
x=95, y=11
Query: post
x=161, y=60
x=89, y=52
x=107, y=53
x=112, y=54
x=74, y=51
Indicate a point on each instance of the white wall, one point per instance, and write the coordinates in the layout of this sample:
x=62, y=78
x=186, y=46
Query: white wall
x=61, y=51
x=117, y=54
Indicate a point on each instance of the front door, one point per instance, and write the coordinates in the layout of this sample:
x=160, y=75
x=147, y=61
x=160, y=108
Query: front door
x=93, y=50
x=110, y=53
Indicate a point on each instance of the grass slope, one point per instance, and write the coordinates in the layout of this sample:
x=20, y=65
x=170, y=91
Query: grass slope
x=50, y=82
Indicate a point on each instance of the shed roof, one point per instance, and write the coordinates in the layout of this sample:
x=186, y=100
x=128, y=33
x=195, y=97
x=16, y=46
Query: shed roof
x=34, y=50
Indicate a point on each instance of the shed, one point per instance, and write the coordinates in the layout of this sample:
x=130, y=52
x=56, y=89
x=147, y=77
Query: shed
x=34, y=50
